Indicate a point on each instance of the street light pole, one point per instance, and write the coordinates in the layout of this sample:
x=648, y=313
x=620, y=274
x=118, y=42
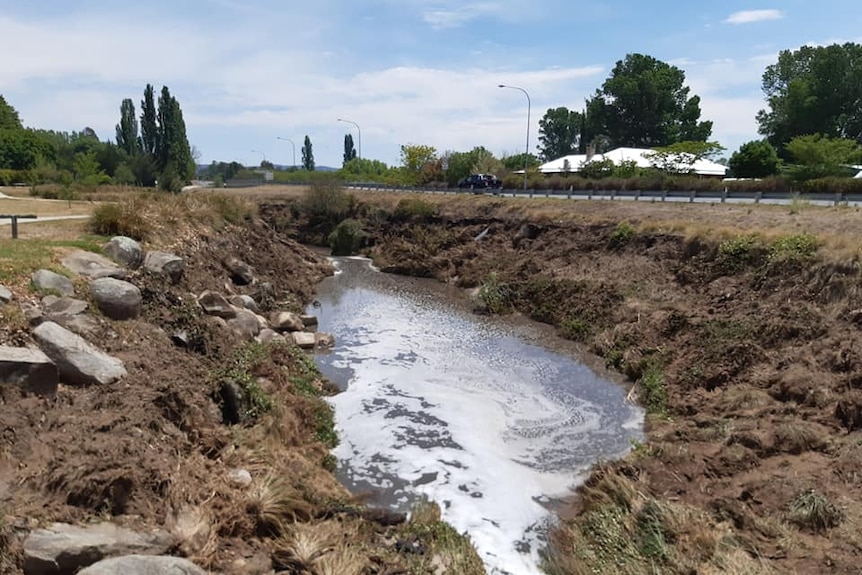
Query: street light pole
x=527, y=148
x=292, y=145
x=358, y=132
x=262, y=155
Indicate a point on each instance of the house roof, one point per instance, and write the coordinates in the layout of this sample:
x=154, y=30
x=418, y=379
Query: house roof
x=637, y=155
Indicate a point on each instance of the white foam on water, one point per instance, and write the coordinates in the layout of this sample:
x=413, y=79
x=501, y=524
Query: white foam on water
x=442, y=405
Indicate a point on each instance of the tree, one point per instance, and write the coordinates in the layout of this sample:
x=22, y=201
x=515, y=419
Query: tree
x=21, y=149
x=173, y=154
x=755, y=159
x=813, y=90
x=559, y=133
x=307, y=155
x=517, y=161
x=680, y=157
x=149, y=127
x=9, y=119
x=349, y=150
x=415, y=157
x=816, y=156
x=644, y=103
x=127, y=129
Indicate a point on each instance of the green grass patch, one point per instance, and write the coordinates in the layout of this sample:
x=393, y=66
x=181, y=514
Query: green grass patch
x=494, y=295
x=622, y=235
x=576, y=328
x=410, y=208
x=654, y=391
x=737, y=253
x=799, y=247
x=20, y=258
x=240, y=371
x=451, y=551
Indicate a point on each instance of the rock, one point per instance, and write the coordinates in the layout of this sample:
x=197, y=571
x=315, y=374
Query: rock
x=63, y=548
x=245, y=301
x=125, y=250
x=53, y=305
x=191, y=528
x=240, y=272
x=234, y=403
x=324, y=340
x=5, y=294
x=49, y=281
x=84, y=325
x=304, y=339
x=264, y=295
x=181, y=338
x=239, y=477
x=270, y=336
x=165, y=264
x=117, y=299
x=285, y=321
x=143, y=565
x=213, y=303
x=309, y=320
x=92, y=265
x=258, y=564
x=30, y=369
x=78, y=362
x=245, y=324
x=32, y=312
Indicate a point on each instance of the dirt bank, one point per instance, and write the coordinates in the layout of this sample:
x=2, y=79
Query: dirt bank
x=156, y=450
x=742, y=327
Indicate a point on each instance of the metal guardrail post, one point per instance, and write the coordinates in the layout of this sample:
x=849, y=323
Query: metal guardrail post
x=691, y=196
x=664, y=195
x=613, y=195
x=724, y=196
x=758, y=197
x=837, y=198
x=637, y=195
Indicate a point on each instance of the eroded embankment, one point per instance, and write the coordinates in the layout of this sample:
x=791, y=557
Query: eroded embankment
x=216, y=443
x=746, y=349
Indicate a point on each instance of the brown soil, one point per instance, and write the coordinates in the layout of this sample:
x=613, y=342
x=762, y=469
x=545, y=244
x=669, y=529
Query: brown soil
x=749, y=358
x=153, y=450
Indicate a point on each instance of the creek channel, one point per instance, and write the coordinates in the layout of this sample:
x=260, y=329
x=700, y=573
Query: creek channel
x=495, y=419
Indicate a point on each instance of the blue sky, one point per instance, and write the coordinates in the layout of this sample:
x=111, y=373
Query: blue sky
x=407, y=71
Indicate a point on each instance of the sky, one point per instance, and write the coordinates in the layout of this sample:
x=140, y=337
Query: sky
x=247, y=72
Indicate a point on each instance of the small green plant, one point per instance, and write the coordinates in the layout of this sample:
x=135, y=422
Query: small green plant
x=797, y=203
x=812, y=510
x=494, y=296
x=622, y=235
x=240, y=372
x=576, y=329
x=797, y=247
x=347, y=238
x=734, y=254
x=654, y=391
x=414, y=208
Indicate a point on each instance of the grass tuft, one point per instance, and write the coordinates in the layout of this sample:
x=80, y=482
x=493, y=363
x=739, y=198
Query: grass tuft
x=813, y=511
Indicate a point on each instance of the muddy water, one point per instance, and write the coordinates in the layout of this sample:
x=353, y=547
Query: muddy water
x=470, y=412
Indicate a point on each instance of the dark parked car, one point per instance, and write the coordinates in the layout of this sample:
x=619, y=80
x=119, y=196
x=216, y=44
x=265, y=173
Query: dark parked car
x=480, y=182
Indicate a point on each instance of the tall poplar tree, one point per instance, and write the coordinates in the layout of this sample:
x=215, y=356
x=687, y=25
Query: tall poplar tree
x=307, y=155
x=149, y=127
x=349, y=149
x=127, y=129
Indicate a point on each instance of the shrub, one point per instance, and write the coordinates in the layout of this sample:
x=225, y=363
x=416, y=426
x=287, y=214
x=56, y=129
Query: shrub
x=119, y=219
x=622, y=235
x=654, y=391
x=812, y=510
x=494, y=296
x=347, y=238
x=410, y=208
x=576, y=329
x=326, y=203
x=796, y=247
x=736, y=253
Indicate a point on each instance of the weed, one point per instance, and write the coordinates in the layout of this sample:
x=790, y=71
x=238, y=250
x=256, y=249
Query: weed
x=494, y=296
x=19, y=259
x=737, y=253
x=797, y=203
x=347, y=238
x=654, y=391
x=812, y=510
x=799, y=247
x=798, y=437
x=576, y=329
x=324, y=428
x=623, y=234
x=120, y=219
x=326, y=203
x=455, y=551
x=274, y=505
x=330, y=463
x=410, y=208
x=240, y=372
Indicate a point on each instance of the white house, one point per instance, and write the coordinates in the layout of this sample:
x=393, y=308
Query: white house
x=640, y=157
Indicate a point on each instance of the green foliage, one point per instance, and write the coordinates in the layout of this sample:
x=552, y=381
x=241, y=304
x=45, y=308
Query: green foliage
x=621, y=112
x=9, y=119
x=680, y=157
x=797, y=247
x=149, y=125
x=240, y=371
x=326, y=203
x=559, y=133
x=347, y=238
x=349, y=150
x=623, y=233
x=127, y=129
x=362, y=170
x=755, y=159
x=123, y=175
x=813, y=90
x=654, y=391
x=119, y=219
x=597, y=169
x=418, y=163
x=816, y=156
x=173, y=154
x=307, y=155
x=517, y=162
x=576, y=328
x=812, y=510
x=494, y=296
x=22, y=149
x=414, y=208
x=736, y=253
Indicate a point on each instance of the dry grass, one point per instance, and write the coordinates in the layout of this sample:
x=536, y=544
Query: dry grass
x=43, y=208
x=274, y=504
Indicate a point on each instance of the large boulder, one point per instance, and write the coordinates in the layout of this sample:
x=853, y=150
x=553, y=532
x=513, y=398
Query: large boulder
x=90, y=265
x=115, y=298
x=30, y=369
x=285, y=321
x=78, y=362
x=143, y=565
x=245, y=324
x=245, y=301
x=165, y=264
x=64, y=549
x=56, y=306
x=240, y=272
x=304, y=339
x=46, y=280
x=87, y=326
x=213, y=303
x=270, y=336
x=125, y=251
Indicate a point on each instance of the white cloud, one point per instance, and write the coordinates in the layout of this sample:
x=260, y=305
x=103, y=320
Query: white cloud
x=459, y=15
x=749, y=16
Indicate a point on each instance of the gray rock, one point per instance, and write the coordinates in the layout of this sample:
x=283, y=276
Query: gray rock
x=117, y=299
x=304, y=339
x=213, y=303
x=32, y=312
x=324, y=340
x=285, y=321
x=78, y=362
x=245, y=301
x=50, y=281
x=92, y=265
x=270, y=336
x=143, y=565
x=64, y=548
x=239, y=477
x=240, y=272
x=309, y=320
x=6, y=295
x=84, y=325
x=125, y=250
x=53, y=305
x=165, y=264
x=30, y=369
x=245, y=324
